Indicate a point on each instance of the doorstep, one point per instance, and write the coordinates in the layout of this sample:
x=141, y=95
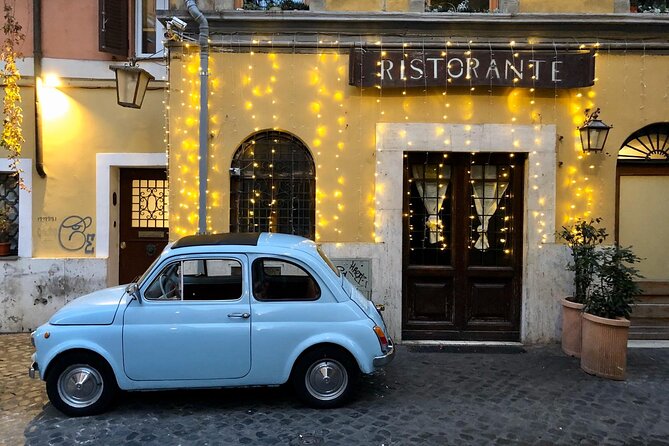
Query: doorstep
x=464, y=346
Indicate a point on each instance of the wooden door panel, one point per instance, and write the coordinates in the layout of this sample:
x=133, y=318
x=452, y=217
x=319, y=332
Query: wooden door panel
x=490, y=302
x=431, y=300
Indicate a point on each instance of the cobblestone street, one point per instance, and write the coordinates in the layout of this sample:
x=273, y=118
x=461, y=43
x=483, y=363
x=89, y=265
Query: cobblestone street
x=429, y=398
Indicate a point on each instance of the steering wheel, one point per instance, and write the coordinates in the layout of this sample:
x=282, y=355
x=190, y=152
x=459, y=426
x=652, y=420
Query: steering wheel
x=168, y=286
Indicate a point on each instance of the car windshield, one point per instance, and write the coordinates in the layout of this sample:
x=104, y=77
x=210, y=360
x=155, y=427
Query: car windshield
x=150, y=268
x=328, y=261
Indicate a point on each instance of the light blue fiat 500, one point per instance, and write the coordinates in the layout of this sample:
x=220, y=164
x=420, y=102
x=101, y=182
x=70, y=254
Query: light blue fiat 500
x=215, y=311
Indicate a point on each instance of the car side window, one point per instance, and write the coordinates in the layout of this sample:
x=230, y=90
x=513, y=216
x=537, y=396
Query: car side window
x=280, y=280
x=212, y=279
x=198, y=279
x=167, y=285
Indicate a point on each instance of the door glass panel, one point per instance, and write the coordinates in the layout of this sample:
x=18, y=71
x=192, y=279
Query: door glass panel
x=212, y=279
x=429, y=209
x=490, y=214
x=150, y=204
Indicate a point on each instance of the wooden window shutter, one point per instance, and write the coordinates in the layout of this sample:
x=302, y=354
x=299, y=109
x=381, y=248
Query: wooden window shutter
x=114, y=27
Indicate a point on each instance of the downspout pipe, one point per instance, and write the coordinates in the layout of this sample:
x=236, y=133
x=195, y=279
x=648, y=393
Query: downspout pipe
x=204, y=111
x=37, y=74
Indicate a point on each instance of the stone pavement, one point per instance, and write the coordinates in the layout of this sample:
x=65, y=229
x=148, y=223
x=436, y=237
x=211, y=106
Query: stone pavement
x=539, y=397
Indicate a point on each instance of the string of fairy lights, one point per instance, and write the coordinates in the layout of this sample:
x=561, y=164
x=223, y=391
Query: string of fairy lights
x=258, y=86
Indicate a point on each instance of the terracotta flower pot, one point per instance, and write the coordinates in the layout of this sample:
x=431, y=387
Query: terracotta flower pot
x=571, y=327
x=604, y=348
x=4, y=249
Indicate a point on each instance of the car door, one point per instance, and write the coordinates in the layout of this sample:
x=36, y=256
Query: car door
x=193, y=322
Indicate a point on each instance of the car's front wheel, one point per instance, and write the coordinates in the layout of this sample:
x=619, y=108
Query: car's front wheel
x=81, y=384
x=325, y=377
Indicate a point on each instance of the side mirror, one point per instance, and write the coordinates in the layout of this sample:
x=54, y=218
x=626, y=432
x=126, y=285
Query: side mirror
x=133, y=290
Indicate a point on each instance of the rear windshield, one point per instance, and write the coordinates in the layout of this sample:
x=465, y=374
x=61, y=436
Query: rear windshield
x=328, y=261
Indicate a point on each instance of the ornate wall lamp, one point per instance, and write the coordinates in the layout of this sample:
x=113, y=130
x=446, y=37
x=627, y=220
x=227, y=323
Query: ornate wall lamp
x=593, y=132
x=131, y=83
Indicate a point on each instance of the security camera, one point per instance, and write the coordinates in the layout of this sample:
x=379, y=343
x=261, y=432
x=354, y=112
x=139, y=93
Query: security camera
x=176, y=23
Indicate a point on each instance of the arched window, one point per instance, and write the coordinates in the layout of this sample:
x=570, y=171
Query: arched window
x=273, y=186
x=650, y=143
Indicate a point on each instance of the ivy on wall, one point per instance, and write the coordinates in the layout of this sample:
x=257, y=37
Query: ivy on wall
x=12, y=133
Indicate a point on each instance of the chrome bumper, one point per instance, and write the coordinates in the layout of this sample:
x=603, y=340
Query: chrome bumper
x=34, y=368
x=383, y=360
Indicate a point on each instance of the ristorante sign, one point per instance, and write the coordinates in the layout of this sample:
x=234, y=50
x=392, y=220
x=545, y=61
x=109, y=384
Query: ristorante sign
x=463, y=68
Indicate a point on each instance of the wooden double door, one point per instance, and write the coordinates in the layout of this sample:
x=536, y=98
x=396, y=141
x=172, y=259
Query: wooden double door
x=462, y=256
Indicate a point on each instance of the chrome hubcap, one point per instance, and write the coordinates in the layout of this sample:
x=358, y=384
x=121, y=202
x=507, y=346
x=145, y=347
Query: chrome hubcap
x=80, y=385
x=326, y=379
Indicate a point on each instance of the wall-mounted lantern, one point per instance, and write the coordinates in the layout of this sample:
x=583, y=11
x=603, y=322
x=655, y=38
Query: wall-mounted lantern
x=593, y=132
x=131, y=83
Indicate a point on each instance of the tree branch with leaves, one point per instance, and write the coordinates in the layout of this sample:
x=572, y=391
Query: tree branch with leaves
x=12, y=132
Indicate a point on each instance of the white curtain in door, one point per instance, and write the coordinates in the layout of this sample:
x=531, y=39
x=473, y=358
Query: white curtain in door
x=487, y=195
x=432, y=191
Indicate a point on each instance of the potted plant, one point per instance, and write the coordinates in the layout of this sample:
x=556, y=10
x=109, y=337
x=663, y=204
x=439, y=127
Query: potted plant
x=5, y=225
x=606, y=313
x=582, y=238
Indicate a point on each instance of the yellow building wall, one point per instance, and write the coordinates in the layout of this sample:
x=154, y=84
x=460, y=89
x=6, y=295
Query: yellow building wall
x=77, y=124
x=567, y=6
x=309, y=96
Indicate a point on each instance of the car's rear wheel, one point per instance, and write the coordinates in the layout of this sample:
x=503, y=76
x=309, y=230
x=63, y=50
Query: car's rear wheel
x=325, y=377
x=80, y=384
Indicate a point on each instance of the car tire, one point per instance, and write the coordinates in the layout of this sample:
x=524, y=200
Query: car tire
x=325, y=377
x=81, y=384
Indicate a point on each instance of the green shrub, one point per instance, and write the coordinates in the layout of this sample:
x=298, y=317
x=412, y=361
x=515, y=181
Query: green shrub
x=583, y=238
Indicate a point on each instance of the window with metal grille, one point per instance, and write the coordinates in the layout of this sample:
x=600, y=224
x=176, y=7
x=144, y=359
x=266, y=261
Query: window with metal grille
x=273, y=186
x=9, y=202
x=150, y=204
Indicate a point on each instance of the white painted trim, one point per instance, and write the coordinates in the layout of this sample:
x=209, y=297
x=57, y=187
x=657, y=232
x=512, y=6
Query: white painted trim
x=25, y=205
x=538, y=141
x=87, y=69
x=103, y=165
x=160, y=29
x=96, y=69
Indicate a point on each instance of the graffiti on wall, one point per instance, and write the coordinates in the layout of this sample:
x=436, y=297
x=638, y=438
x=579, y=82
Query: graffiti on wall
x=358, y=272
x=74, y=234
x=47, y=228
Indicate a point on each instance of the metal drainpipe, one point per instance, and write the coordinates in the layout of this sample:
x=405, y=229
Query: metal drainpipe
x=37, y=74
x=204, y=111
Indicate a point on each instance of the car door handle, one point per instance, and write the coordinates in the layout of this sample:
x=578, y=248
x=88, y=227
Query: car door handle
x=240, y=315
